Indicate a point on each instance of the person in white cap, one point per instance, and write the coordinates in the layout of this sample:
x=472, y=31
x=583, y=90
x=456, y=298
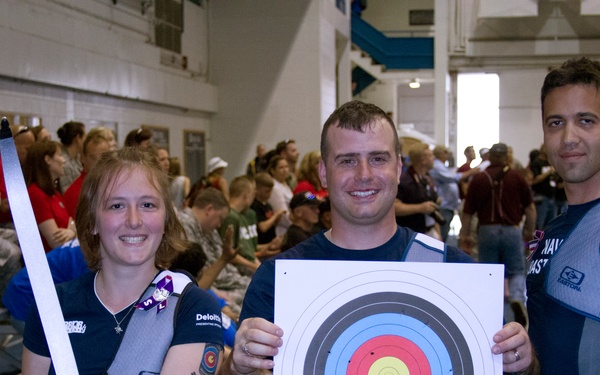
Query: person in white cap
x=484, y=153
x=216, y=168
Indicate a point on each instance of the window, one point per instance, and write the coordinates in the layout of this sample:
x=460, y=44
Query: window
x=421, y=17
x=168, y=24
x=478, y=116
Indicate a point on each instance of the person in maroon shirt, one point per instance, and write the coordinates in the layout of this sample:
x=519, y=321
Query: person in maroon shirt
x=500, y=197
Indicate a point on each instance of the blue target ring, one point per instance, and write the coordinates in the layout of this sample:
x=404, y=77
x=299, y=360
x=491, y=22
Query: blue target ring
x=389, y=324
x=405, y=315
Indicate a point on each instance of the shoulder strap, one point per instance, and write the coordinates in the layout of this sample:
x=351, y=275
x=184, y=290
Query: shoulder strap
x=572, y=278
x=149, y=333
x=497, y=190
x=423, y=248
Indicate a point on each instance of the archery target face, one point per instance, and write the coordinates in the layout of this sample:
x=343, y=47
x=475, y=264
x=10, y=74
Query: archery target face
x=387, y=318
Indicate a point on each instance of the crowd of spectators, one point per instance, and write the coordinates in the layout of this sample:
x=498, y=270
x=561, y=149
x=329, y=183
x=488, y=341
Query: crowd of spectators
x=232, y=227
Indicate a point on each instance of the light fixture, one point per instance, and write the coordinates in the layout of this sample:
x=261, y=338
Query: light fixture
x=414, y=84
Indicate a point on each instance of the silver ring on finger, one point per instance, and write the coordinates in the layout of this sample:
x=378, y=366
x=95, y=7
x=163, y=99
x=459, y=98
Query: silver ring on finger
x=517, y=355
x=246, y=351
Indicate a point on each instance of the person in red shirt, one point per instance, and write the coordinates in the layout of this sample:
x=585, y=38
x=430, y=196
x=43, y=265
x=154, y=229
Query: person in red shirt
x=94, y=145
x=45, y=165
x=308, y=175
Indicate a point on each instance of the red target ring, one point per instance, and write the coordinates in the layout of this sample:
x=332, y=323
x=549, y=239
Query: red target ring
x=391, y=353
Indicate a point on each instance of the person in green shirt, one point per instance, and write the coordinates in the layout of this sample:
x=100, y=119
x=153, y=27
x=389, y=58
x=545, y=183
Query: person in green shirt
x=242, y=191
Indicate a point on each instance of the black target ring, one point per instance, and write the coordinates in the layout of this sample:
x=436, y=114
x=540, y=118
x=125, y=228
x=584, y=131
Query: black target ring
x=319, y=351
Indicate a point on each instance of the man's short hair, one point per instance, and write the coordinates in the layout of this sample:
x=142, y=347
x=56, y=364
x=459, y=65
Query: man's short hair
x=439, y=150
x=356, y=115
x=263, y=179
x=240, y=185
x=282, y=146
x=578, y=71
x=212, y=196
x=467, y=149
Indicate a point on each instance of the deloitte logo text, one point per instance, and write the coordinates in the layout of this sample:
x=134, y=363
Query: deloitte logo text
x=208, y=317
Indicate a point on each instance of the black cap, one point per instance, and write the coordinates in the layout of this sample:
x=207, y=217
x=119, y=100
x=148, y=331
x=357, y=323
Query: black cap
x=499, y=149
x=302, y=199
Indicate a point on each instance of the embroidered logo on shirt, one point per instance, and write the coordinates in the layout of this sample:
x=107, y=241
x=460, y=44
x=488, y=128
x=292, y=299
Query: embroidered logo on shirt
x=75, y=326
x=208, y=317
x=571, y=278
x=206, y=320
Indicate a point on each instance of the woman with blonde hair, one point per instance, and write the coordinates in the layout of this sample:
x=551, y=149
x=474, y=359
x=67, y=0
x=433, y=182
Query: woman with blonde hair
x=130, y=315
x=105, y=132
x=308, y=175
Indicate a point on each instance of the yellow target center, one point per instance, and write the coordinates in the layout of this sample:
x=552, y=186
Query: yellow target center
x=388, y=366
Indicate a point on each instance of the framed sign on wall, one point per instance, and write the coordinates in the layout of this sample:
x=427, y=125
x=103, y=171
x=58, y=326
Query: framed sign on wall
x=194, y=154
x=160, y=135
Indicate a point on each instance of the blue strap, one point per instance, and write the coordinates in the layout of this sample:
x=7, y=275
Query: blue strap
x=423, y=248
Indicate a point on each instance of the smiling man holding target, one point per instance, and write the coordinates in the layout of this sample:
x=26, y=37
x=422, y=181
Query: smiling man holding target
x=361, y=169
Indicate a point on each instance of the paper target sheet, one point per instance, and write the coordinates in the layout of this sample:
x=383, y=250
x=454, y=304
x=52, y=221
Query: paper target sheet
x=348, y=317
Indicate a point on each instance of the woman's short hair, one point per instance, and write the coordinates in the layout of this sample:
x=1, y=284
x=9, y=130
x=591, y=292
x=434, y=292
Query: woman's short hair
x=94, y=193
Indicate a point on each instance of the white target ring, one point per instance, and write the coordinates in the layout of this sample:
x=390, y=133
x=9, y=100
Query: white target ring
x=355, y=319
